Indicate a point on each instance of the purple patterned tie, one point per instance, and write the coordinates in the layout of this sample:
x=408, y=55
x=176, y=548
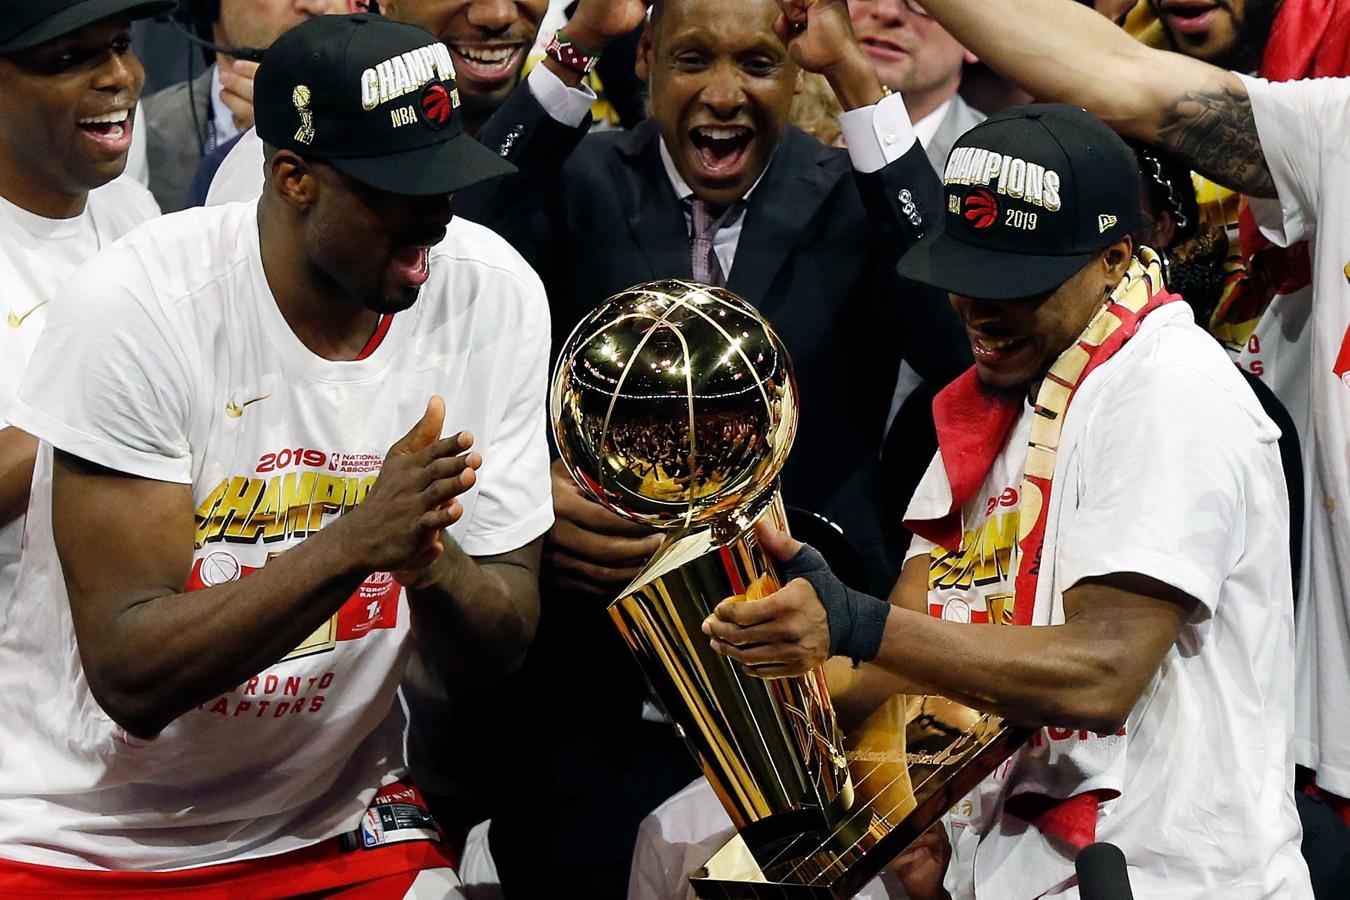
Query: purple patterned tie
x=706, y=219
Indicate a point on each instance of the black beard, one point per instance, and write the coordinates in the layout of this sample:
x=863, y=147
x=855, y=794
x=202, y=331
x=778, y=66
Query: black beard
x=1247, y=51
x=1250, y=46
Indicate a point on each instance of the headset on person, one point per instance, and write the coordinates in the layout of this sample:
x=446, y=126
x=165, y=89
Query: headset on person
x=194, y=20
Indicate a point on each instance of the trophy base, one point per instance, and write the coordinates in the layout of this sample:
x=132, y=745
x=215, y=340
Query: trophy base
x=906, y=782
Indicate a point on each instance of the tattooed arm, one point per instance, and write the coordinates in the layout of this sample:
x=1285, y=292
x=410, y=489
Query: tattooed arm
x=1059, y=50
x=1214, y=130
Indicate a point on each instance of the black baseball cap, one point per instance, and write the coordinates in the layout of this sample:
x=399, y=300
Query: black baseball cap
x=27, y=23
x=1032, y=194
x=373, y=98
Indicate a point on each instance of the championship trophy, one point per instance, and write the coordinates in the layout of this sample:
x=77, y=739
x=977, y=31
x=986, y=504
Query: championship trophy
x=674, y=404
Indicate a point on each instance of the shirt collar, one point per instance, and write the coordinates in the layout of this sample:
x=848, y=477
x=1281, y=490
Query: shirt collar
x=926, y=128
x=221, y=117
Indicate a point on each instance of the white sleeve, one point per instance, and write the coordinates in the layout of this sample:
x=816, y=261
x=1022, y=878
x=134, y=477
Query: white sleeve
x=878, y=135
x=565, y=105
x=1299, y=123
x=1166, y=461
x=515, y=489
x=107, y=382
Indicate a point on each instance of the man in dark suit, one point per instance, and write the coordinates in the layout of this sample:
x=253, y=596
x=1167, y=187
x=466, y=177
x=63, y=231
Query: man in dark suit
x=714, y=182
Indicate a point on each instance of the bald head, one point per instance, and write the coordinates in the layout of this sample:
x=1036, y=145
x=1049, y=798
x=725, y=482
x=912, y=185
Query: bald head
x=678, y=12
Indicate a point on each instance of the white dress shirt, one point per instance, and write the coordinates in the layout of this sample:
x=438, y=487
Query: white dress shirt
x=222, y=120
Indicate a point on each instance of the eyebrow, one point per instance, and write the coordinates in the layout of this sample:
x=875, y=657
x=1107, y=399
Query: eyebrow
x=691, y=36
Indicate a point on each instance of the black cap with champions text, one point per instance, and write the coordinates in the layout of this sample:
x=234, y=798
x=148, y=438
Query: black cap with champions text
x=1032, y=194
x=373, y=98
x=27, y=23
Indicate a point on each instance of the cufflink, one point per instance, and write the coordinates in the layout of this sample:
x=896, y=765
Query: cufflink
x=509, y=141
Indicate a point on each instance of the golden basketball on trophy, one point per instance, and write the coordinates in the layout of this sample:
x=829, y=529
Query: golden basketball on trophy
x=674, y=404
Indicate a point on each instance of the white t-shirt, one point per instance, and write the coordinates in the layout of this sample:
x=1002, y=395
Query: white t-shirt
x=1305, y=132
x=36, y=256
x=167, y=357
x=1167, y=467
x=240, y=175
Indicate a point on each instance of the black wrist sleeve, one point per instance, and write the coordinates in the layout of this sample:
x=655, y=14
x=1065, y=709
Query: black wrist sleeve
x=857, y=620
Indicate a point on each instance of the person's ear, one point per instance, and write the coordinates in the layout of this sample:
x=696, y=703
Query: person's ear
x=293, y=179
x=1116, y=259
x=643, y=65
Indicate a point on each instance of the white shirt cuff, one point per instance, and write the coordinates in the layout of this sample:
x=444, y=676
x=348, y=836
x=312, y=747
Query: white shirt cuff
x=877, y=135
x=565, y=105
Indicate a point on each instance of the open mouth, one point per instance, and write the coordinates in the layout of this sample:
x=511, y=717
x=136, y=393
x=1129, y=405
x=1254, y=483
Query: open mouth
x=721, y=151
x=486, y=62
x=1190, y=18
x=411, y=265
x=111, y=131
x=410, y=261
x=993, y=351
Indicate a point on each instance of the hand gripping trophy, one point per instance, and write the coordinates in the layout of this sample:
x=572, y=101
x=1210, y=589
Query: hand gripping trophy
x=675, y=404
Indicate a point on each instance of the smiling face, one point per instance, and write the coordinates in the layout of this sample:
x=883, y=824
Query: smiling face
x=68, y=113
x=488, y=41
x=1227, y=33
x=1015, y=342
x=721, y=90
x=912, y=53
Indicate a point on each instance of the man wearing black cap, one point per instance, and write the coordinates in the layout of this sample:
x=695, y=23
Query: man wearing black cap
x=219, y=598
x=1104, y=473
x=69, y=82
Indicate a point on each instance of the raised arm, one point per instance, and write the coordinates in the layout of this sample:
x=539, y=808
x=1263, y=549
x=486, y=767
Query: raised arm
x=1062, y=51
x=538, y=131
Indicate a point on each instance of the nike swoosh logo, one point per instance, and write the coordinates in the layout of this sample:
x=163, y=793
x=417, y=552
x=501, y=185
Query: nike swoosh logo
x=235, y=410
x=16, y=319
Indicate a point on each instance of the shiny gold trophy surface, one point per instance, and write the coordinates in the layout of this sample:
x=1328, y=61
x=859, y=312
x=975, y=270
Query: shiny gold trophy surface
x=674, y=404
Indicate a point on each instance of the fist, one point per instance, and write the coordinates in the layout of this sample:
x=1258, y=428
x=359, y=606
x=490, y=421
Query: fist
x=603, y=21
x=236, y=91
x=818, y=34
x=786, y=633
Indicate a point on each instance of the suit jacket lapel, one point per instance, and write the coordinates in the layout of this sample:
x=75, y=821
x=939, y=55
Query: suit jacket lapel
x=200, y=97
x=655, y=215
x=781, y=207
x=959, y=119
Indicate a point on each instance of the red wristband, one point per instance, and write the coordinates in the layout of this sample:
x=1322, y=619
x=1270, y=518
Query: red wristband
x=569, y=54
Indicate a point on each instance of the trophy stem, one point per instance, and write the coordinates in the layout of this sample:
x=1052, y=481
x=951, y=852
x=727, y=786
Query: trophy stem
x=772, y=749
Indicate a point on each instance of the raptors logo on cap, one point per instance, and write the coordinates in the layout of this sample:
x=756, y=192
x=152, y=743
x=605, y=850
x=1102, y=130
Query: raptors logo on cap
x=981, y=209
x=437, y=106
